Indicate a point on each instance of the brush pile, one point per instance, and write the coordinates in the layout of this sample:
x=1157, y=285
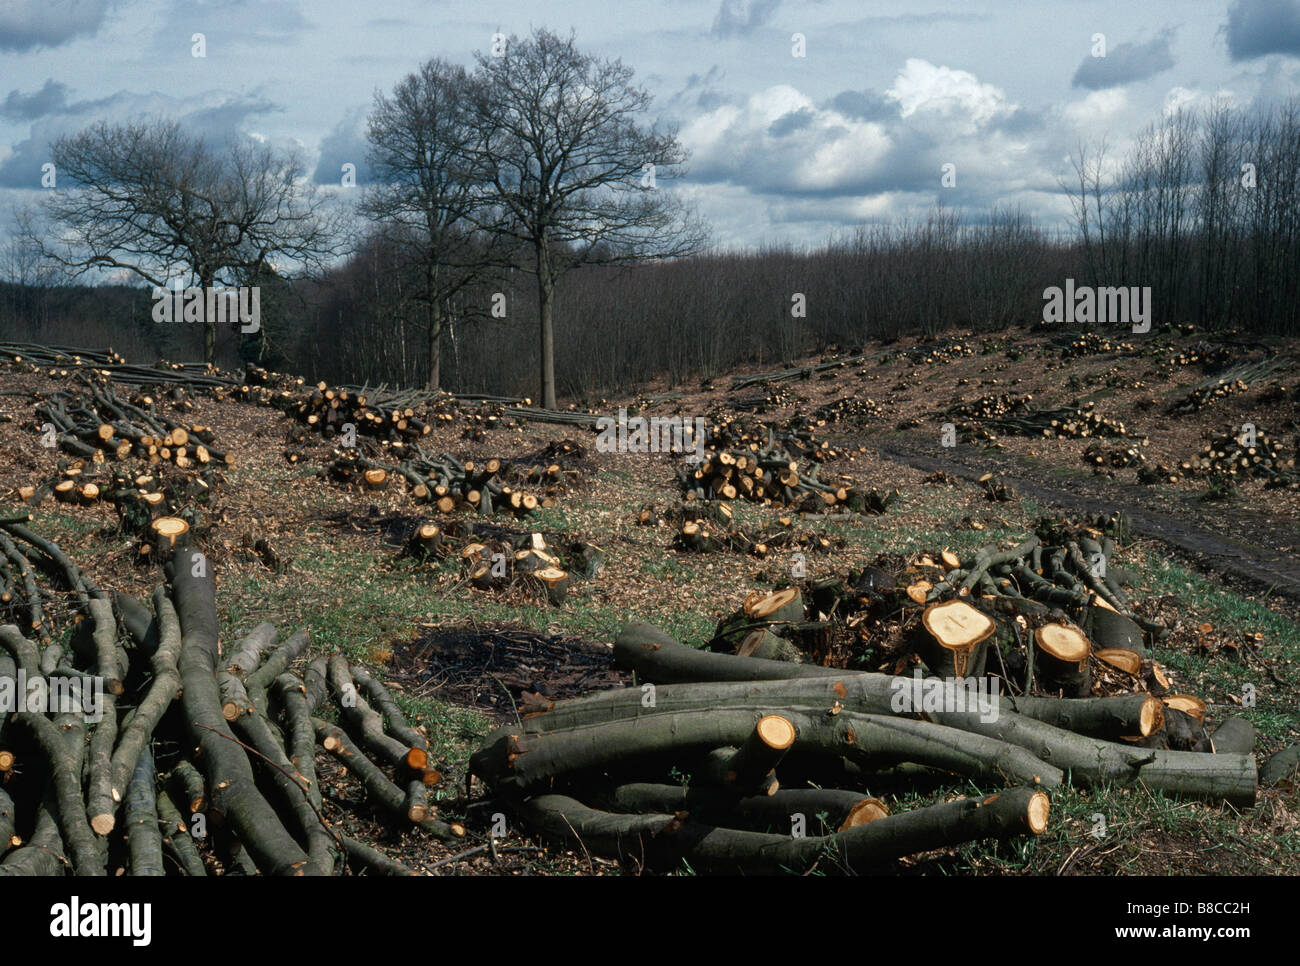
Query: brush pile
x=152, y=751
x=449, y=483
x=1239, y=455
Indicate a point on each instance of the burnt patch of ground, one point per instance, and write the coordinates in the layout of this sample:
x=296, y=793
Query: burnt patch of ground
x=491, y=669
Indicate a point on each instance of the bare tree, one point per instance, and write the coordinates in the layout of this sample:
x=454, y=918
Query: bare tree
x=429, y=178
x=574, y=177
x=163, y=204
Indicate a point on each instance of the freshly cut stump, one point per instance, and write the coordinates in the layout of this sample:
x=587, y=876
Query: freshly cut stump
x=958, y=633
x=1188, y=704
x=1127, y=661
x=1063, y=659
x=169, y=530
x=783, y=606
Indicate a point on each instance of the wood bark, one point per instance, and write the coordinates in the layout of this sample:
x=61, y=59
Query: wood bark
x=230, y=775
x=666, y=840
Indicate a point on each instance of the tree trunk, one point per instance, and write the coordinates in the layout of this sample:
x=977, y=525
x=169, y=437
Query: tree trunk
x=433, y=383
x=545, y=303
x=209, y=325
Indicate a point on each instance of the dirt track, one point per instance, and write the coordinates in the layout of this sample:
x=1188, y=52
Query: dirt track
x=1234, y=540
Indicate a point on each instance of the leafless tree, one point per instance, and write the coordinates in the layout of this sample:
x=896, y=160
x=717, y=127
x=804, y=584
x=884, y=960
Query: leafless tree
x=164, y=204
x=429, y=179
x=574, y=175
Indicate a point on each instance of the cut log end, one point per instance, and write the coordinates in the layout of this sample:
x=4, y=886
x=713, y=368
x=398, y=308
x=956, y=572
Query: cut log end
x=1152, y=717
x=864, y=812
x=1040, y=807
x=170, y=529
x=776, y=732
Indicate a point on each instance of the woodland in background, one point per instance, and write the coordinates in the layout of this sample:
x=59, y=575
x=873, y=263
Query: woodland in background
x=1219, y=243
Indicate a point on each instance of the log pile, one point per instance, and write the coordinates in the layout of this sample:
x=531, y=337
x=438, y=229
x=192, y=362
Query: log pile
x=156, y=752
x=711, y=528
x=97, y=425
x=798, y=436
x=722, y=761
x=1093, y=344
x=1012, y=415
x=1114, y=457
x=1232, y=456
x=660, y=777
x=448, y=483
x=771, y=475
x=1201, y=396
x=496, y=558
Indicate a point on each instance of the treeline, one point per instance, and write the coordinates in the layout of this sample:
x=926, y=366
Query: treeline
x=1203, y=210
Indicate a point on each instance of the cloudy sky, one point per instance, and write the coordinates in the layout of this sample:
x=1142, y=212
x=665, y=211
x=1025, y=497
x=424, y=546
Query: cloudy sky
x=783, y=148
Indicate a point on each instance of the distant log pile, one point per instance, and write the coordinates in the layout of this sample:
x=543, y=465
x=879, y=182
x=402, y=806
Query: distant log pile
x=482, y=487
x=391, y=417
x=154, y=752
x=95, y=424
x=1013, y=415
x=799, y=437
x=1201, y=396
x=1094, y=344
x=1238, y=457
x=771, y=475
x=495, y=558
x=712, y=527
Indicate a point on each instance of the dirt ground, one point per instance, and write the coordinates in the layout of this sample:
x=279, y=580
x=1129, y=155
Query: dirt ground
x=448, y=649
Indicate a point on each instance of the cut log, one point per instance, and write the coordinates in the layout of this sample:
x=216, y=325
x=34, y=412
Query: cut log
x=143, y=837
x=1281, y=767
x=954, y=645
x=762, y=643
x=1127, y=661
x=1108, y=629
x=1062, y=659
x=749, y=770
x=657, y=657
x=843, y=808
x=1233, y=736
x=666, y=840
x=534, y=759
x=235, y=797
x=1186, y=703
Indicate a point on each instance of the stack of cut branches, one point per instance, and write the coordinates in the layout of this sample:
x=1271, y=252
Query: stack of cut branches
x=1239, y=456
x=771, y=475
x=445, y=481
x=95, y=424
x=152, y=751
x=711, y=527
x=723, y=763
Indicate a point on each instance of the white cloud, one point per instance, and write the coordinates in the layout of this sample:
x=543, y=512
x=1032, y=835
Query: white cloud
x=1097, y=107
x=922, y=87
x=780, y=140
